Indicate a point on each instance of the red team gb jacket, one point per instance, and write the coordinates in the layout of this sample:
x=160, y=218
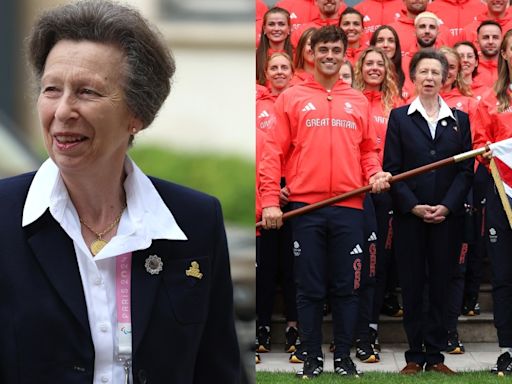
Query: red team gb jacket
x=327, y=140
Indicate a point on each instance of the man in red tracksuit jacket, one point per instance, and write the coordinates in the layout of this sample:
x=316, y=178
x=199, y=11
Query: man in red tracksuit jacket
x=301, y=11
x=327, y=12
x=456, y=14
x=489, y=37
x=406, y=29
x=322, y=129
x=377, y=13
x=498, y=11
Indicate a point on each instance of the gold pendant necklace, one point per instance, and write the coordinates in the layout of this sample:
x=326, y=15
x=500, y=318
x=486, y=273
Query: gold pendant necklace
x=97, y=245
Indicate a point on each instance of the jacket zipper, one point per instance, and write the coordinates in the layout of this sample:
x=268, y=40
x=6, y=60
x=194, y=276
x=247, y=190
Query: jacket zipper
x=329, y=98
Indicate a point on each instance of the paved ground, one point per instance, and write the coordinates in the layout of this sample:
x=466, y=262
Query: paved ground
x=478, y=356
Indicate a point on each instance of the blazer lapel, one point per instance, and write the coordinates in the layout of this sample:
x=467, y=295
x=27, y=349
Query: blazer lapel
x=443, y=125
x=422, y=125
x=54, y=250
x=144, y=288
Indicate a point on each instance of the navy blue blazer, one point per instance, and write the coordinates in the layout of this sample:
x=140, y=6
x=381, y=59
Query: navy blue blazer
x=409, y=145
x=183, y=327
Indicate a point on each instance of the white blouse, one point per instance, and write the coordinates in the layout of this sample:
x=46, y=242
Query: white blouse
x=145, y=218
x=444, y=112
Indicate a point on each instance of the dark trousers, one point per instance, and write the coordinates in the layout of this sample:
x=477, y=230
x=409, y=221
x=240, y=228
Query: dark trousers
x=499, y=249
x=477, y=250
x=367, y=290
x=275, y=266
x=457, y=282
x=328, y=262
x=386, y=275
x=422, y=247
x=456, y=290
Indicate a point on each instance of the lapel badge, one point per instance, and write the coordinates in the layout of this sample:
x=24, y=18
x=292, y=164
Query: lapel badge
x=194, y=271
x=154, y=264
x=444, y=123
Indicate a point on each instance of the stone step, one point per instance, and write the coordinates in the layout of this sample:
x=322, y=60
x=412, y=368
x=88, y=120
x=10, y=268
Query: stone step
x=474, y=329
x=484, y=299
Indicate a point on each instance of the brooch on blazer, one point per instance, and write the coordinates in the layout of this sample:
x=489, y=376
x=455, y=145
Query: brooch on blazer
x=154, y=264
x=194, y=271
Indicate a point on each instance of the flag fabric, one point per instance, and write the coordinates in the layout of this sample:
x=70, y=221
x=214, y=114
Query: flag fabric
x=501, y=169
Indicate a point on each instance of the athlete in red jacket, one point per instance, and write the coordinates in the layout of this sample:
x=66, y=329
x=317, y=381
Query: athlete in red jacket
x=404, y=25
x=427, y=31
x=456, y=14
x=301, y=11
x=375, y=76
x=323, y=125
x=265, y=116
x=323, y=133
x=327, y=13
x=497, y=10
x=493, y=124
x=490, y=124
x=463, y=103
x=489, y=37
x=469, y=61
x=351, y=21
x=377, y=13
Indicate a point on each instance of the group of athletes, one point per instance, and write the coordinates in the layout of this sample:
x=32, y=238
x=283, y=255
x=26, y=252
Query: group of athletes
x=347, y=97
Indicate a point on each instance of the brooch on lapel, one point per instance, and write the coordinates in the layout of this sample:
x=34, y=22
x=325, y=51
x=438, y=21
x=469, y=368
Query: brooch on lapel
x=194, y=271
x=444, y=123
x=154, y=264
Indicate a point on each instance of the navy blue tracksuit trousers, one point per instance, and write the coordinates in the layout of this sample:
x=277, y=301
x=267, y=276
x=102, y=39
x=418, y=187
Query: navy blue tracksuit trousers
x=328, y=249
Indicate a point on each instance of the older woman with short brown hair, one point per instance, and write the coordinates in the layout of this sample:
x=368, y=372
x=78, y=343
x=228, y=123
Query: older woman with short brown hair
x=115, y=276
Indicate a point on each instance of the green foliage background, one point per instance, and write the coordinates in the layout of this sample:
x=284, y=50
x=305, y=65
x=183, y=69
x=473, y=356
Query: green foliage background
x=227, y=177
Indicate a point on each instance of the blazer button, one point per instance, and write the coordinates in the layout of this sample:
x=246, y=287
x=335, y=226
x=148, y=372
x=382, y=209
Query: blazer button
x=143, y=379
x=432, y=152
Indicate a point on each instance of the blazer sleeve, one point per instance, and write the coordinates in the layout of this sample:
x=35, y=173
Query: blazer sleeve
x=404, y=199
x=218, y=359
x=458, y=190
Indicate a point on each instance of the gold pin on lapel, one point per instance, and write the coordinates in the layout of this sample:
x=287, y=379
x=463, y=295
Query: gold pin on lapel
x=194, y=271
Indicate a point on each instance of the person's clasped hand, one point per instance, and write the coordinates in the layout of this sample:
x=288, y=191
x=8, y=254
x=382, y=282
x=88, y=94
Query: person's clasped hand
x=431, y=214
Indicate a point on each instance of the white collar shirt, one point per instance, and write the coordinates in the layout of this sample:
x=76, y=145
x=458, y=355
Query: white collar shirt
x=444, y=112
x=145, y=218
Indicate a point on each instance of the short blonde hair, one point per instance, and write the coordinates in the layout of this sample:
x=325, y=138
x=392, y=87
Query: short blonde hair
x=427, y=15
